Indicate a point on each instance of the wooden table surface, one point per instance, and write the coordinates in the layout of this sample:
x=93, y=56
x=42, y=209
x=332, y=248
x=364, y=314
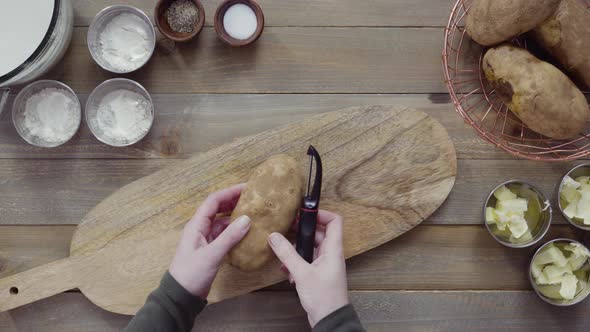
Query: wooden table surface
x=448, y=274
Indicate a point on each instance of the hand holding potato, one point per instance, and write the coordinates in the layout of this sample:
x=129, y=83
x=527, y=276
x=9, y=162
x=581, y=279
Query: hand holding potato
x=271, y=198
x=321, y=285
x=206, y=240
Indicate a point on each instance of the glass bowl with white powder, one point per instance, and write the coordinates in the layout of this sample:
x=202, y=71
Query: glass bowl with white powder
x=121, y=39
x=46, y=113
x=119, y=112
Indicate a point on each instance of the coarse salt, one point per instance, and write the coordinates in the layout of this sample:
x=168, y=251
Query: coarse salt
x=124, y=42
x=51, y=116
x=239, y=21
x=123, y=116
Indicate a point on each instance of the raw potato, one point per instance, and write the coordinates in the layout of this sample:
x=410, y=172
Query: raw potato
x=271, y=199
x=544, y=98
x=490, y=22
x=566, y=36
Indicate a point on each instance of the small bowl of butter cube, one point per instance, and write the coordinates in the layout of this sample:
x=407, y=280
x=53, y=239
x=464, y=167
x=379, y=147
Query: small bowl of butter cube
x=574, y=197
x=517, y=214
x=560, y=271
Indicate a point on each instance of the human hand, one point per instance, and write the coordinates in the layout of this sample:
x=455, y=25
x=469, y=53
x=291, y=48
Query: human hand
x=206, y=240
x=321, y=285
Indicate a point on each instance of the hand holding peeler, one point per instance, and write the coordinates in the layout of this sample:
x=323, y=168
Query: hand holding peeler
x=308, y=213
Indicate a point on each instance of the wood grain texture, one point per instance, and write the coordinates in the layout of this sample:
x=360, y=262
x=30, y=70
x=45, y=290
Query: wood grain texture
x=185, y=125
x=308, y=47
x=63, y=191
x=283, y=60
x=426, y=258
x=404, y=311
x=310, y=13
x=360, y=147
x=281, y=311
x=26, y=247
x=67, y=312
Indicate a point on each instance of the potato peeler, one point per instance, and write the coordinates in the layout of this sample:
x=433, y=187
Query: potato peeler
x=308, y=213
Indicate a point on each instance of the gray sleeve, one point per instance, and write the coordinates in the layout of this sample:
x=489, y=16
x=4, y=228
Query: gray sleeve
x=168, y=308
x=344, y=319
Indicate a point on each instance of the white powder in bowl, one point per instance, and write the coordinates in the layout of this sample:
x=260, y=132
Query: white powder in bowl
x=123, y=116
x=239, y=21
x=51, y=116
x=125, y=42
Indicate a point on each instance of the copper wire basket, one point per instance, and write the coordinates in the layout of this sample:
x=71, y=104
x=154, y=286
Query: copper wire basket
x=482, y=108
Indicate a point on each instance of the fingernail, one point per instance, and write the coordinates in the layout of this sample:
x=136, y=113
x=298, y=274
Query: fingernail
x=243, y=222
x=274, y=239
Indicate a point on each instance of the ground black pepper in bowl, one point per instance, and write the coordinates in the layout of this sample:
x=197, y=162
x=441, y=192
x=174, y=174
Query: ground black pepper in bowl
x=182, y=16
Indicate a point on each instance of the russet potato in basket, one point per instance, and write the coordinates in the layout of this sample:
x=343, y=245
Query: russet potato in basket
x=566, y=35
x=490, y=22
x=544, y=98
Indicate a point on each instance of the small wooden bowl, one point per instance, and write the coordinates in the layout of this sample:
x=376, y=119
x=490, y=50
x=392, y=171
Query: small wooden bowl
x=223, y=35
x=166, y=30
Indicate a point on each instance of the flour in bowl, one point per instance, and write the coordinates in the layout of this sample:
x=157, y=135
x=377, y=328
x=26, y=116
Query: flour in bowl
x=51, y=115
x=125, y=42
x=124, y=116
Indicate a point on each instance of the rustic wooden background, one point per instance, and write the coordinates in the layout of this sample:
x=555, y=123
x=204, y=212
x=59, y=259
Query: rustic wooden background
x=314, y=56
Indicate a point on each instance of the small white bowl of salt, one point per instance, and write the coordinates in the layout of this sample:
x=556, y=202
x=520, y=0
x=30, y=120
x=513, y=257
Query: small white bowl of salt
x=46, y=113
x=119, y=112
x=121, y=39
x=239, y=22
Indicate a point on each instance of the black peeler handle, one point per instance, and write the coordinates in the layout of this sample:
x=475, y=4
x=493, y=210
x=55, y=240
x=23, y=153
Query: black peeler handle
x=308, y=213
x=306, y=233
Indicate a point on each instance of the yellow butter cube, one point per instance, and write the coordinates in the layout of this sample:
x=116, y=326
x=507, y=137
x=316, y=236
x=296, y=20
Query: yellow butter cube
x=518, y=226
x=491, y=217
x=571, y=209
x=569, y=284
x=555, y=273
x=551, y=255
x=504, y=194
x=517, y=205
x=576, y=263
x=570, y=194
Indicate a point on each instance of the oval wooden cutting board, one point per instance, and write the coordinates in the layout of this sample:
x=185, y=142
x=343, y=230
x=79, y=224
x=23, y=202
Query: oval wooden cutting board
x=386, y=169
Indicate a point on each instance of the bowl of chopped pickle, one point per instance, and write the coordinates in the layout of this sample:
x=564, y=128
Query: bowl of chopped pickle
x=559, y=272
x=517, y=214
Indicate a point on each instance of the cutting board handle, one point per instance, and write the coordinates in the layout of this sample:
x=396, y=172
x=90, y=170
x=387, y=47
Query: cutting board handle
x=39, y=283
